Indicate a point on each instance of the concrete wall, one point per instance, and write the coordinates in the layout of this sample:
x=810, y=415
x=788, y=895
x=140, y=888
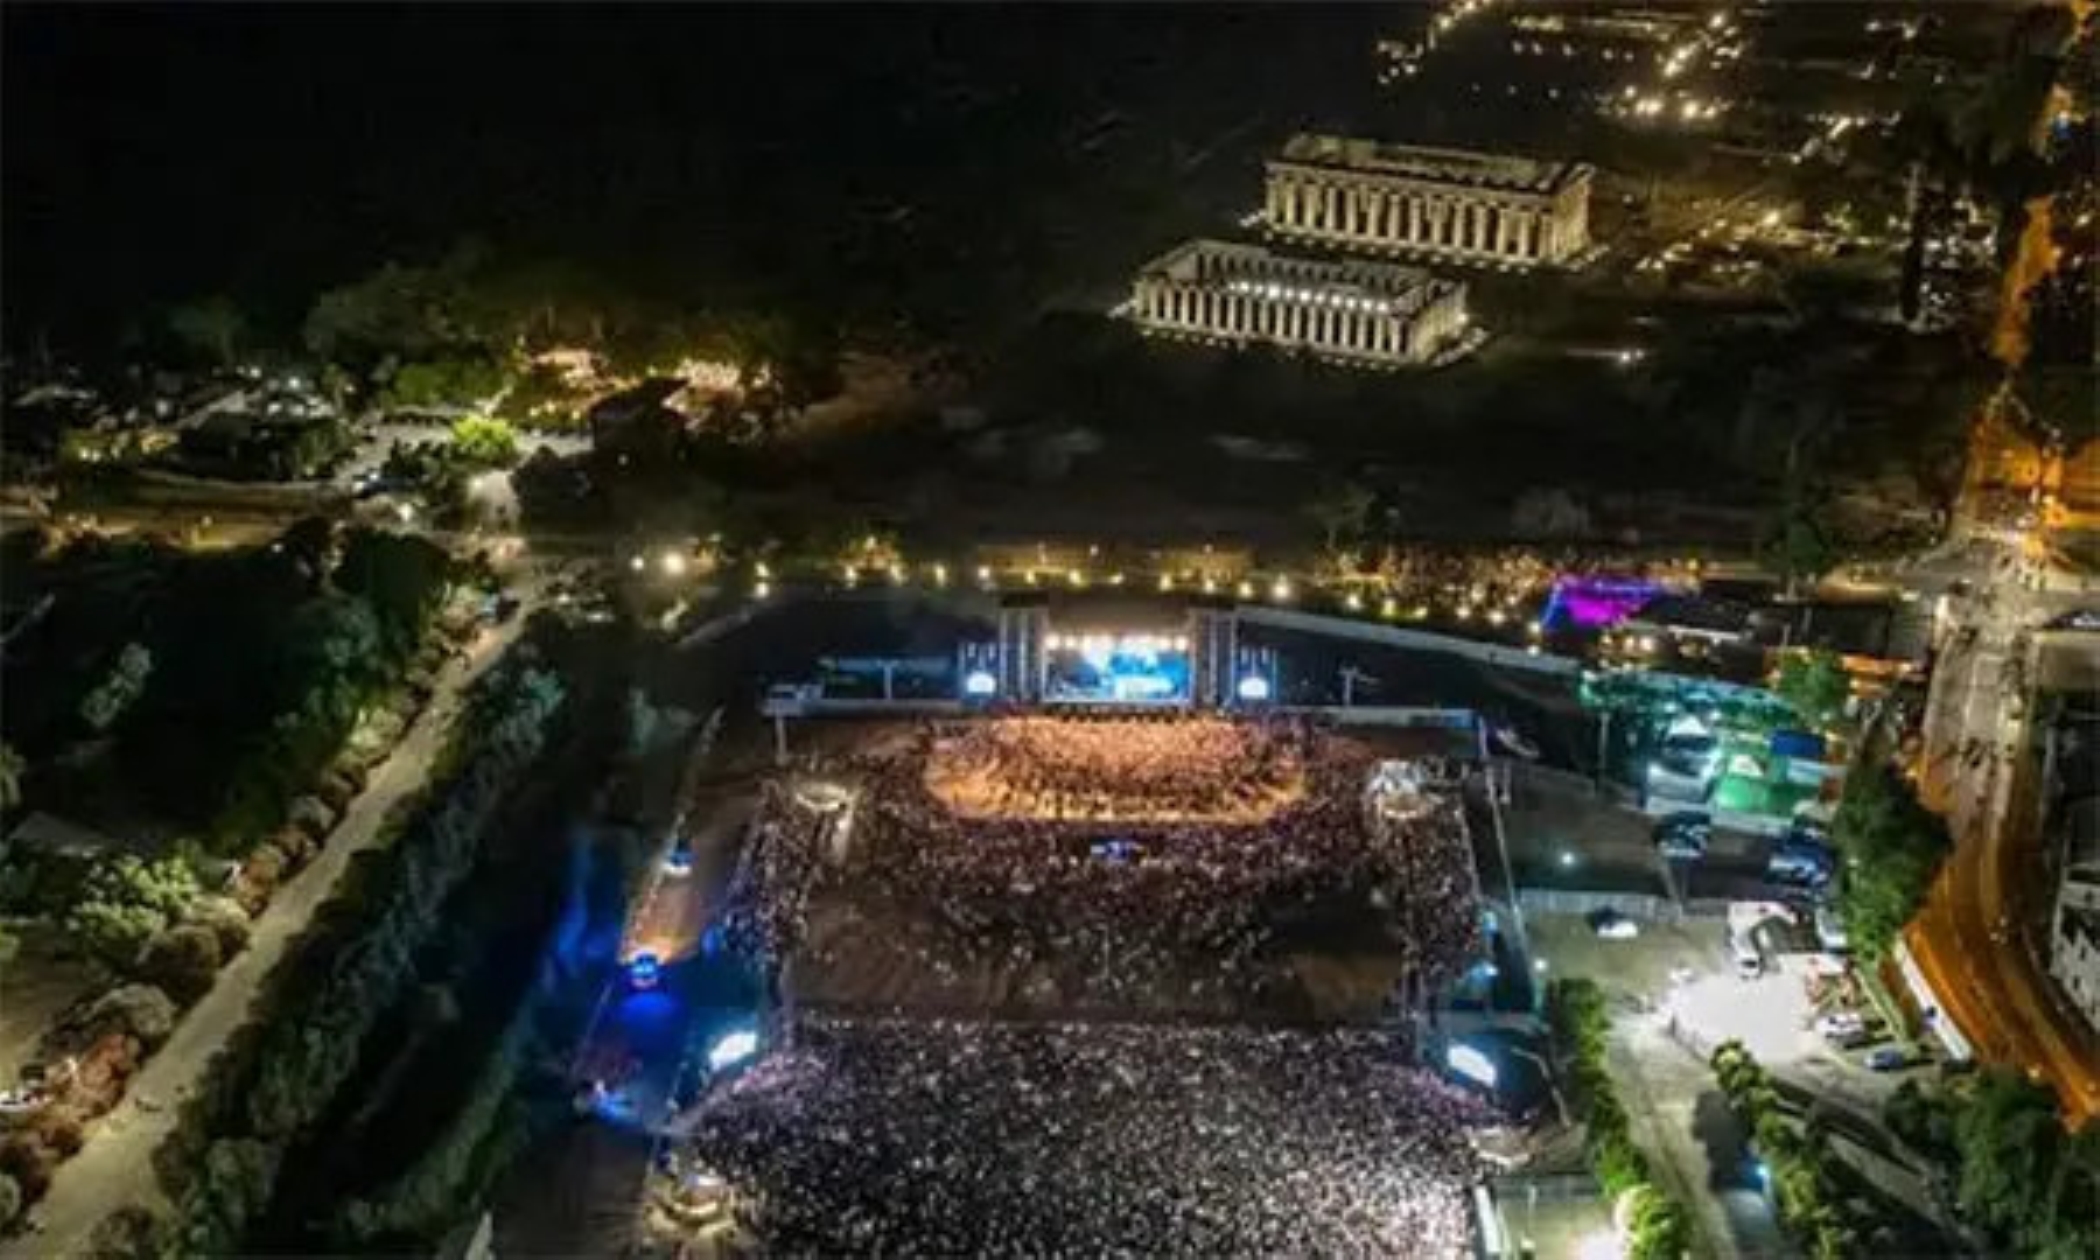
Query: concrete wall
x=1416, y=640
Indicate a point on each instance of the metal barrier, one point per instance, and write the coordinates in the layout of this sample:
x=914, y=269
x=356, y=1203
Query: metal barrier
x=1942, y=1025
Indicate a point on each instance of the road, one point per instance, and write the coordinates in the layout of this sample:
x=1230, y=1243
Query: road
x=1972, y=940
x=1677, y=1112
x=1980, y=770
x=115, y=1168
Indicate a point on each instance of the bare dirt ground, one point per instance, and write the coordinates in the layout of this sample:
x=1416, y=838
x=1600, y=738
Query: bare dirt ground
x=36, y=986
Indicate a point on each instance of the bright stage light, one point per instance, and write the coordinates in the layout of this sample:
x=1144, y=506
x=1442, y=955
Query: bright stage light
x=979, y=682
x=731, y=1049
x=1253, y=688
x=643, y=971
x=1471, y=1063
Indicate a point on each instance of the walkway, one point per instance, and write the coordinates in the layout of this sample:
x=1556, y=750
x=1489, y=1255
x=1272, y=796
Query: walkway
x=115, y=1168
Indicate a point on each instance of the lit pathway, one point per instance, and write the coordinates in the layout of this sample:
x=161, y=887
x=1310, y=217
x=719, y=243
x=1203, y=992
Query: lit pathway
x=115, y=1168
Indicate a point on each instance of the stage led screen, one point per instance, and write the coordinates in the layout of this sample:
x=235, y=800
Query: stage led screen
x=1104, y=668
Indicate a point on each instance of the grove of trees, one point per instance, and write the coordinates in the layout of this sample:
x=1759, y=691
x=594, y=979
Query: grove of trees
x=1807, y=1180
x=1892, y=847
x=1661, y=1229
x=283, y=1073
x=1815, y=683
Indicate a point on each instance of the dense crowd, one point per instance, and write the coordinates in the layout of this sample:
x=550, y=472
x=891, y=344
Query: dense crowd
x=1181, y=914
x=1113, y=768
x=940, y=1138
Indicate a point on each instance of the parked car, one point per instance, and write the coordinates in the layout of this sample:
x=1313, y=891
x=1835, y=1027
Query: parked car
x=1684, y=834
x=1887, y=1059
x=1838, y=1023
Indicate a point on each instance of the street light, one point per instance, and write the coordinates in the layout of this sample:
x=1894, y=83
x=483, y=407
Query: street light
x=673, y=563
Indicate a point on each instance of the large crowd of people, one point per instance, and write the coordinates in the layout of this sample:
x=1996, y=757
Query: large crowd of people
x=1174, y=913
x=934, y=1137
x=1113, y=768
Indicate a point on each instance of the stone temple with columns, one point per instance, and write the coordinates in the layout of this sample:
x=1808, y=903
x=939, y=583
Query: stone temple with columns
x=1375, y=201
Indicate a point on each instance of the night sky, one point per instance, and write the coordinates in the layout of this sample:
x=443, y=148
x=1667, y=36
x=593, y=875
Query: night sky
x=158, y=153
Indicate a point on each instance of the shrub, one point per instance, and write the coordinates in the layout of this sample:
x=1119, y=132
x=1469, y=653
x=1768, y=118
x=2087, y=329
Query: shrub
x=124, y=903
x=134, y=1233
x=184, y=961
x=140, y=1012
x=226, y=920
x=294, y=850
x=28, y=1163
x=352, y=771
x=104, y=1069
x=1659, y=1228
x=335, y=790
x=311, y=815
x=59, y=1129
x=260, y=875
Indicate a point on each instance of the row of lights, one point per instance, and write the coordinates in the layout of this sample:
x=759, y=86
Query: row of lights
x=1137, y=643
x=1318, y=297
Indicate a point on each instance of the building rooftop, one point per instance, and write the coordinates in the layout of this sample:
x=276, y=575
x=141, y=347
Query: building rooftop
x=1225, y=264
x=1450, y=166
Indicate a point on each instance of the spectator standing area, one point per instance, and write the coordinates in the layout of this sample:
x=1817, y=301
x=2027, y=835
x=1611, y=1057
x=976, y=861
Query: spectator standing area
x=1043, y=966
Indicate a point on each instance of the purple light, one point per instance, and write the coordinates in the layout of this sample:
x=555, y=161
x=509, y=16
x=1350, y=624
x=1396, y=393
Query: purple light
x=1594, y=602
